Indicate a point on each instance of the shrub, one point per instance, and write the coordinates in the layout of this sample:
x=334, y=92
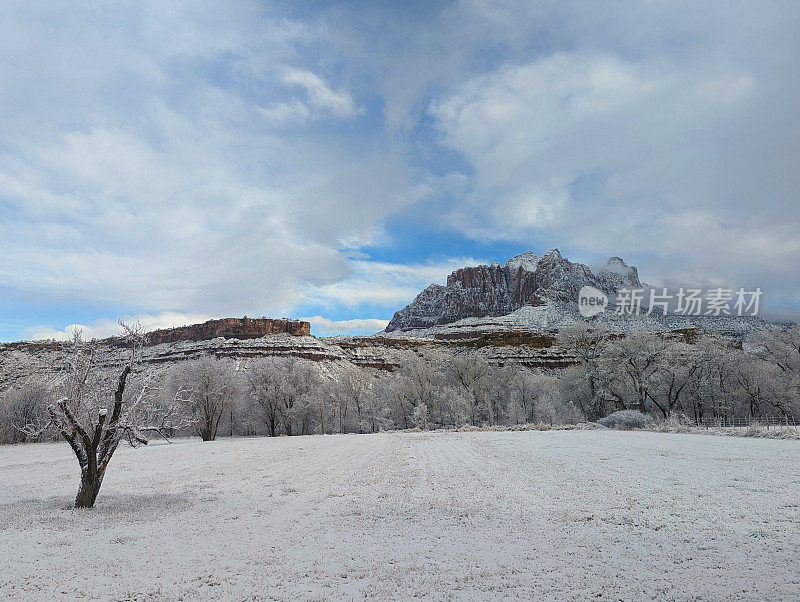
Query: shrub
x=589, y=426
x=627, y=419
x=674, y=424
x=754, y=430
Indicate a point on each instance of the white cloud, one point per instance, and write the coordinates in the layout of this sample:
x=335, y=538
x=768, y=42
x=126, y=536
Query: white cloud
x=324, y=327
x=209, y=159
x=320, y=95
x=142, y=180
x=664, y=140
x=383, y=284
x=531, y=130
x=104, y=328
x=283, y=112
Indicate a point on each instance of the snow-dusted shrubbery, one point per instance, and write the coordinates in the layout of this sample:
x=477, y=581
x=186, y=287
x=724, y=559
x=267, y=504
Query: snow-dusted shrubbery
x=627, y=419
x=675, y=424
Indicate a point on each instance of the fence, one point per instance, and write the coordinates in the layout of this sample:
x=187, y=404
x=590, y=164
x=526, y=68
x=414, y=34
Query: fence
x=765, y=421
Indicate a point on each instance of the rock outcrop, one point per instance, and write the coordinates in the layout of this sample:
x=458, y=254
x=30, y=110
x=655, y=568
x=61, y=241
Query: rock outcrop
x=237, y=338
x=234, y=339
x=230, y=328
x=539, y=295
x=498, y=290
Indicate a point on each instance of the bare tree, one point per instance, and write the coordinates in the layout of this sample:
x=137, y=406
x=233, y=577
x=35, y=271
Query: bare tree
x=755, y=380
x=469, y=371
x=340, y=404
x=211, y=389
x=263, y=390
x=282, y=388
x=676, y=367
x=322, y=408
x=712, y=385
x=635, y=362
x=590, y=343
x=353, y=390
x=82, y=417
x=376, y=413
x=420, y=416
x=297, y=380
x=779, y=348
x=454, y=406
x=417, y=387
x=23, y=411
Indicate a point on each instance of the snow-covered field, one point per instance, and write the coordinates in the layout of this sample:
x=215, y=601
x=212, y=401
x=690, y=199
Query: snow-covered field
x=559, y=514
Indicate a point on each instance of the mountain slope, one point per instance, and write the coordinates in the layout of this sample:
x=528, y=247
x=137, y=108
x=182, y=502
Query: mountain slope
x=498, y=290
x=539, y=294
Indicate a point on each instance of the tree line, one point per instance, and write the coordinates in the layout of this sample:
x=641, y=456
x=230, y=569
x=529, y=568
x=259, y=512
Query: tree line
x=660, y=375
x=95, y=408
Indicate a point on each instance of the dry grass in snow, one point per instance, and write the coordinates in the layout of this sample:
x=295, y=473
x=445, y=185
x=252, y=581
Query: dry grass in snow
x=558, y=514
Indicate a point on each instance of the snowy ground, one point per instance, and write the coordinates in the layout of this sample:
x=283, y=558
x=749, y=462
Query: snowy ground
x=566, y=514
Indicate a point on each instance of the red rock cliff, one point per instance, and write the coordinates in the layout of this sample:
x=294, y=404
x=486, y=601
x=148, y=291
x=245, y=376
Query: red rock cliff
x=497, y=290
x=230, y=328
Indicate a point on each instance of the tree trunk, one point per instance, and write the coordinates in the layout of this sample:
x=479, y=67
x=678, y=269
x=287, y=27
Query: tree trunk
x=90, y=487
x=358, y=416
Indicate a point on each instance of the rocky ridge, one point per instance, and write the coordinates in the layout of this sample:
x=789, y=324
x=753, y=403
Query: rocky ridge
x=238, y=328
x=44, y=359
x=540, y=294
x=526, y=280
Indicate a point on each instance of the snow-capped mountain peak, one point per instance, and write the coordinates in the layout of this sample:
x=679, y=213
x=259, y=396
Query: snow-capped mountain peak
x=539, y=294
x=528, y=261
x=498, y=290
x=615, y=266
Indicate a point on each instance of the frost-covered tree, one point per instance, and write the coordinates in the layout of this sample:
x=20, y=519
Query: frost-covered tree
x=779, y=350
x=211, y=389
x=340, y=404
x=321, y=409
x=635, y=361
x=377, y=412
x=23, y=411
x=353, y=390
x=676, y=367
x=417, y=386
x=283, y=388
x=299, y=382
x=713, y=384
x=470, y=372
x=780, y=346
x=453, y=407
x=589, y=343
x=548, y=400
x=262, y=388
x=589, y=389
x=95, y=411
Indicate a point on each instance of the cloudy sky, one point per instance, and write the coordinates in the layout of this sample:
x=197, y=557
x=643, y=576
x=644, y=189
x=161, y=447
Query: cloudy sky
x=184, y=160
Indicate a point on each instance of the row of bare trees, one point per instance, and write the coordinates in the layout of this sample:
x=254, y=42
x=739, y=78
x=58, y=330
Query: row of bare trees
x=658, y=375
x=288, y=396
x=665, y=376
